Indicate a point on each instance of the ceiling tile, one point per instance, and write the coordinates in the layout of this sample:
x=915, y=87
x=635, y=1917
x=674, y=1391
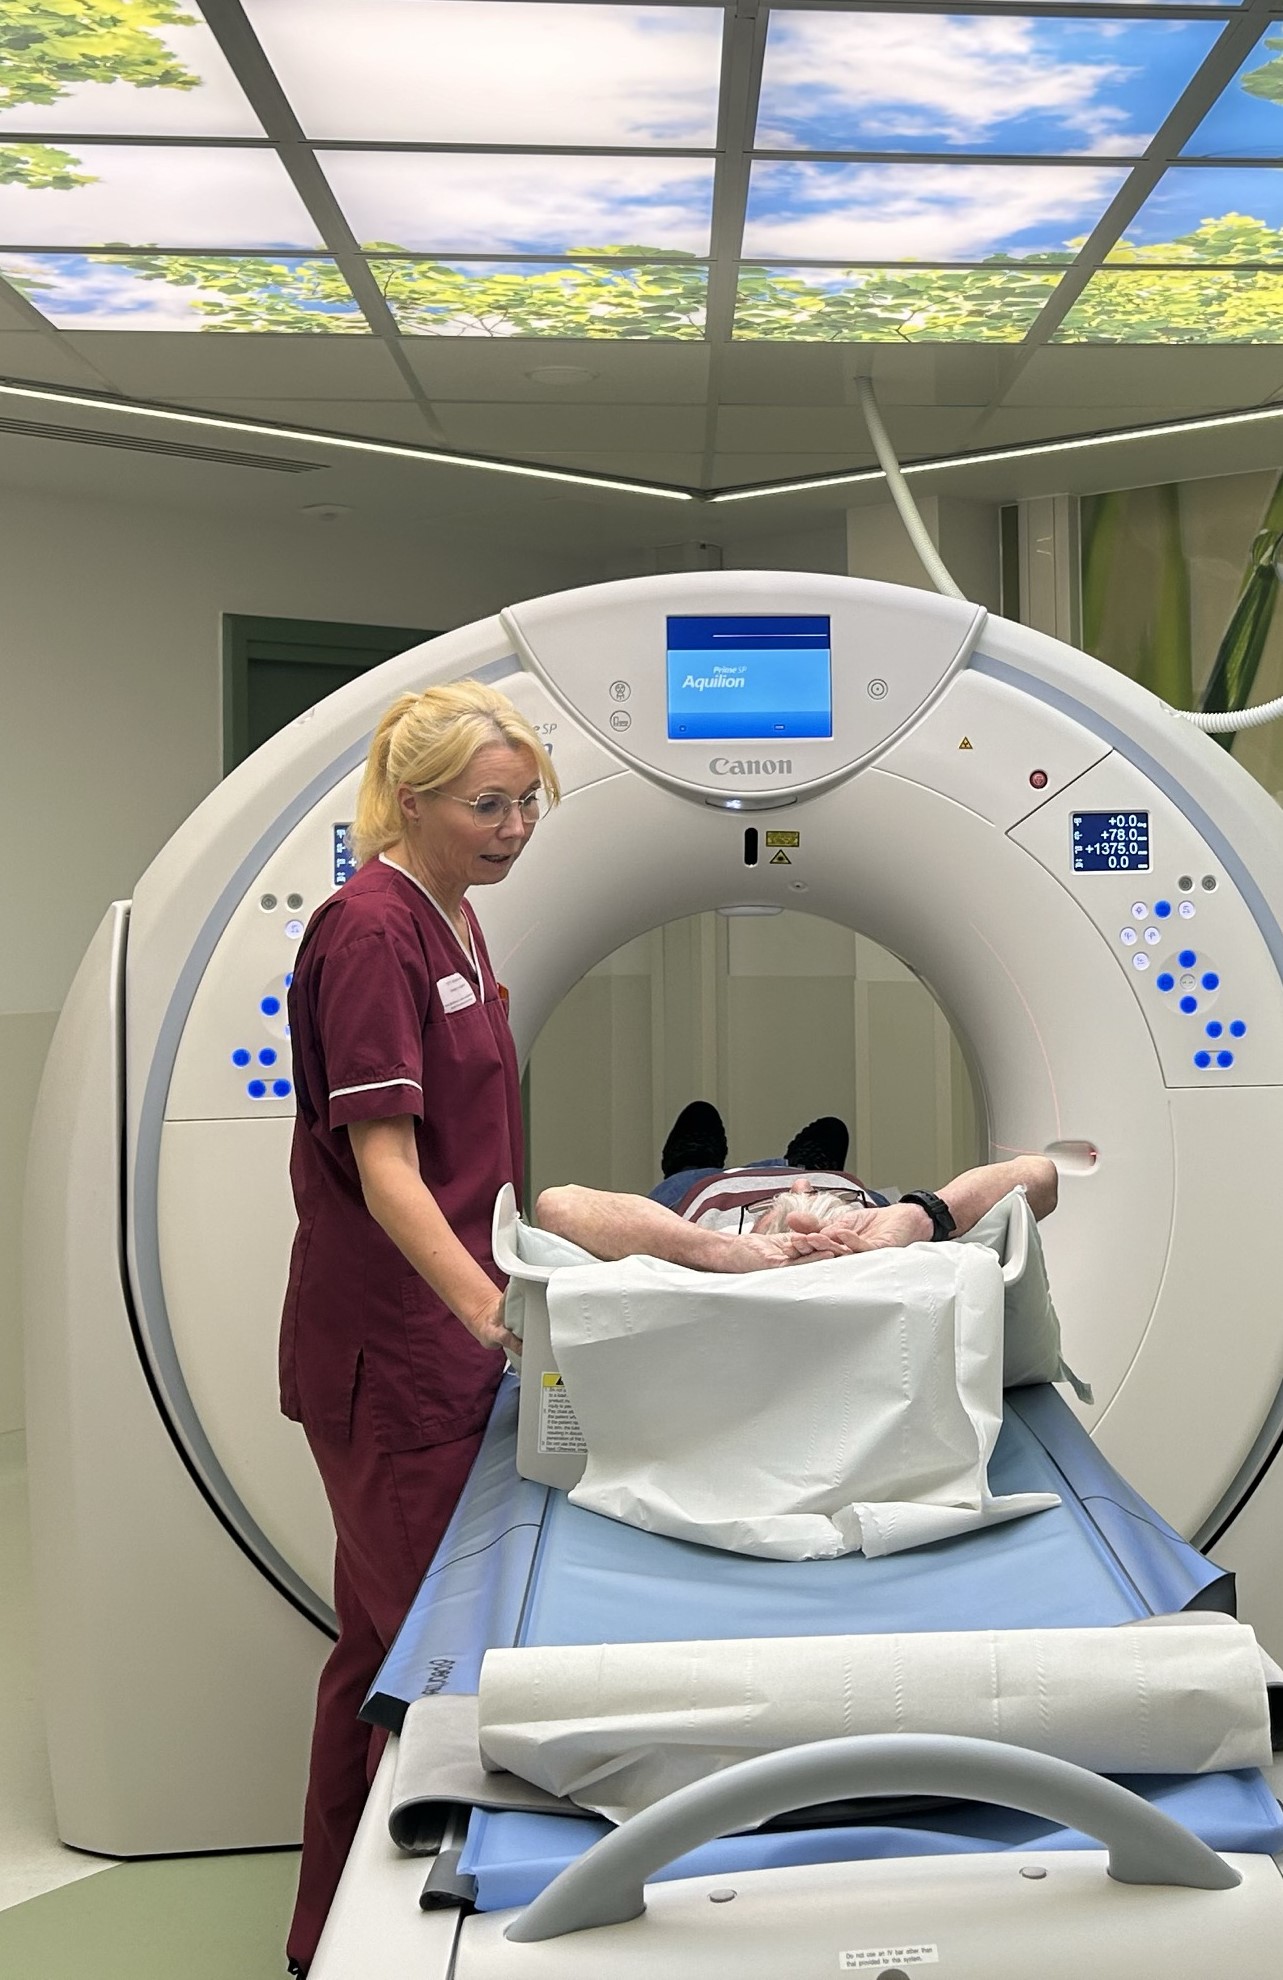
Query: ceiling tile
x=914, y=430
x=501, y=368
x=1246, y=121
x=492, y=72
x=371, y=419
x=168, y=366
x=501, y=429
x=289, y=294
x=1178, y=306
x=511, y=299
x=918, y=81
x=460, y=203
x=823, y=211
x=152, y=196
x=1140, y=380
x=994, y=305
x=152, y=78
x=1209, y=213
x=45, y=359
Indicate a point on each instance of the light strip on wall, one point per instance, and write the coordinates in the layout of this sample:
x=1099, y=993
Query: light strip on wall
x=438, y=456
x=1077, y=445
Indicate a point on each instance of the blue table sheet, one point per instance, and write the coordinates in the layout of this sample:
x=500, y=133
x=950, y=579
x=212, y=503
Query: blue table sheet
x=520, y=1564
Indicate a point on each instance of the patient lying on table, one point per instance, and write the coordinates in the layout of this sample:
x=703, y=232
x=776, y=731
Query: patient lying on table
x=742, y=1220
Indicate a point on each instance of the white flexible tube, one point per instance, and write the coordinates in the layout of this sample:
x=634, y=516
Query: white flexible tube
x=936, y=569
x=910, y=515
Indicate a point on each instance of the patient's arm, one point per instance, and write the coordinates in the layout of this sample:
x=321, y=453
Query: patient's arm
x=613, y=1225
x=969, y=1197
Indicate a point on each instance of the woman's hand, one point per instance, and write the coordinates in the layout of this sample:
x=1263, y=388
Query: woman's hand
x=486, y=1325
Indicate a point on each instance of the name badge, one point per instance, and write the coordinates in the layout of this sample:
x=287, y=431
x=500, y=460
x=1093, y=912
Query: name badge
x=455, y=992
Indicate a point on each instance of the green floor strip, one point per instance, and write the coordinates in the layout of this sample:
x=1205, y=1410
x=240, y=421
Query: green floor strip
x=201, y=1918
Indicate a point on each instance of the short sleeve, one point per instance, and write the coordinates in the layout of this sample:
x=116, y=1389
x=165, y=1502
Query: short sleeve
x=371, y=1008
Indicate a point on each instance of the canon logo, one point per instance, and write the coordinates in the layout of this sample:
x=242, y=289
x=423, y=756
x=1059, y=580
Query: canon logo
x=751, y=766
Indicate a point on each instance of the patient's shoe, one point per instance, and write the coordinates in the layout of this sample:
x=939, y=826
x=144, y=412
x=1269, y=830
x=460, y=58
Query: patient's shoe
x=696, y=1140
x=821, y=1144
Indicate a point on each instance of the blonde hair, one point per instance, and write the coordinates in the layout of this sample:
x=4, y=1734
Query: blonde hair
x=427, y=740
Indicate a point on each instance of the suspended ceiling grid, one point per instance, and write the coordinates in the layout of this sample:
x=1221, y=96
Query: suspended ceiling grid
x=659, y=238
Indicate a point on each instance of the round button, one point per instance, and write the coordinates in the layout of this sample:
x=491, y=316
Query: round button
x=267, y=902
x=256, y=1089
x=1166, y=981
x=1238, y=1029
x=620, y=690
x=280, y=1088
x=1187, y=980
x=1139, y=911
x=1187, y=958
x=1140, y=960
x=270, y=1006
x=1189, y=1005
x=1128, y=936
x=1224, y=1058
x=1214, y=1029
x=1202, y=1060
x=1162, y=909
x=1208, y=883
x=1153, y=935
x=1038, y=779
x=294, y=900
x=621, y=719
x=1211, y=981
x=877, y=689
x=1187, y=910
x=240, y=1057
x=1185, y=883
x=267, y=1057
x=294, y=929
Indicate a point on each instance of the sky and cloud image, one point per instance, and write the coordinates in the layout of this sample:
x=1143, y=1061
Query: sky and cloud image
x=973, y=82
x=88, y=292
x=1187, y=196
x=158, y=196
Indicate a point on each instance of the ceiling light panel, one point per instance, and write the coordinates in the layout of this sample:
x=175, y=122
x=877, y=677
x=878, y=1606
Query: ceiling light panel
x=162, y=196
x=950, y=212
x=281, y=294
x=465, y=203
x=891, y=305
x=1246, y=121
x=1178, y=306
x=1200, y=213
x=912, y=81
x=88, y=69
x=542, y=299
x=496, y=71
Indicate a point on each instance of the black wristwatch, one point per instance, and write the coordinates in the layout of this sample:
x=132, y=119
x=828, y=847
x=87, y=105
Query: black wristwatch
x=942, y=1224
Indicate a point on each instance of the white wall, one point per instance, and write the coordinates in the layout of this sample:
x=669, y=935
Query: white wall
x=965, y=534
x=110, y=733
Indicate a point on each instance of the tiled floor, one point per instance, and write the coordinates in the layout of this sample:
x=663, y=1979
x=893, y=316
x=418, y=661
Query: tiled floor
x=65, y=1916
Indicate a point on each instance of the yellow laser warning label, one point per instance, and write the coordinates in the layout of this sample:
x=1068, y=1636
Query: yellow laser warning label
x=784, y=838
x=965, y=743
x=779, y=859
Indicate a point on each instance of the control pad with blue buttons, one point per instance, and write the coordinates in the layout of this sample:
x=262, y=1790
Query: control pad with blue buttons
x=1161, y=943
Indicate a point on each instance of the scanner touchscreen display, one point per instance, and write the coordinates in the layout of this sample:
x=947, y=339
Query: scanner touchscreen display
x=749, y=677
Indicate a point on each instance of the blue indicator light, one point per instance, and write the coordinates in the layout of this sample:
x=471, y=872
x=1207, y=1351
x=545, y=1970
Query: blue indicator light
x=1215, y=1028
x=289, y=978
x=267, y=1057
x=1202, y=1060
x=1166, y=981
x=240, y=1057
x=1211, y=981
x=280, y=1088
x=256, y=1089
x=1186, y=959
x=1224, y=1058
x=1162, y=909
x=271, y=1005
x=1189, y=1005
x=1238, y=1028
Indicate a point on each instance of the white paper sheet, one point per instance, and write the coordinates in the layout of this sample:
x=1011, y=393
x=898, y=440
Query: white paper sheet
x=795, y=1414
x=617, y=1726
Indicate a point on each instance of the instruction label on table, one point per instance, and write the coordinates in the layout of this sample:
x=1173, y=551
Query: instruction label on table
x=784, y=838
x=878, y=1958
x=559, y=1432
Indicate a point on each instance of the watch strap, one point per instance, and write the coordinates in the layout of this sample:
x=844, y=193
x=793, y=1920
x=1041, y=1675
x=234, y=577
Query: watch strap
x=942, y=1224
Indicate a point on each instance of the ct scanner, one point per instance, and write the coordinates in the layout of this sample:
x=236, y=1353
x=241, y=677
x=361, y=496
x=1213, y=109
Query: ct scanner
x=1091, y=888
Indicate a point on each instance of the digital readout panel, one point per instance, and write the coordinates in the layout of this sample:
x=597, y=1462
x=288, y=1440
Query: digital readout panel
x=735, y=678
x=344, y=857
x=1110, y=841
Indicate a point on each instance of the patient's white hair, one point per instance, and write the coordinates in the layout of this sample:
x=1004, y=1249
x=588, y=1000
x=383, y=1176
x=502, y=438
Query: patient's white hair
x=822, y=1204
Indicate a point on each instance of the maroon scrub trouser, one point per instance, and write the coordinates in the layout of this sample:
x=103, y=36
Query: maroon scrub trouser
x=390, y=1510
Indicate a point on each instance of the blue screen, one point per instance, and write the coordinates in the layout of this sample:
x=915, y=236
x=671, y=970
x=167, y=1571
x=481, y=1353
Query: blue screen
x=1110, y=841
x=735, y=678
x=344, y=857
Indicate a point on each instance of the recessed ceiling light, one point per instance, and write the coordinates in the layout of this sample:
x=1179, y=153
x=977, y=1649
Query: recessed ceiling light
x=561, y=374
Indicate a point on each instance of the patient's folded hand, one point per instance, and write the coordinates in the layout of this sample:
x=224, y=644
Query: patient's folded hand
x=893, y=1225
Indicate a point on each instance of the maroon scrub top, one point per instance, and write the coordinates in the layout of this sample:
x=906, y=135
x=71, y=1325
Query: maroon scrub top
x=388, y=1016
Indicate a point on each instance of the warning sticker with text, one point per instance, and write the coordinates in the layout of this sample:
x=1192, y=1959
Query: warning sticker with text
x=559, y=1432
x=784, y=838
x=878, y=1958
